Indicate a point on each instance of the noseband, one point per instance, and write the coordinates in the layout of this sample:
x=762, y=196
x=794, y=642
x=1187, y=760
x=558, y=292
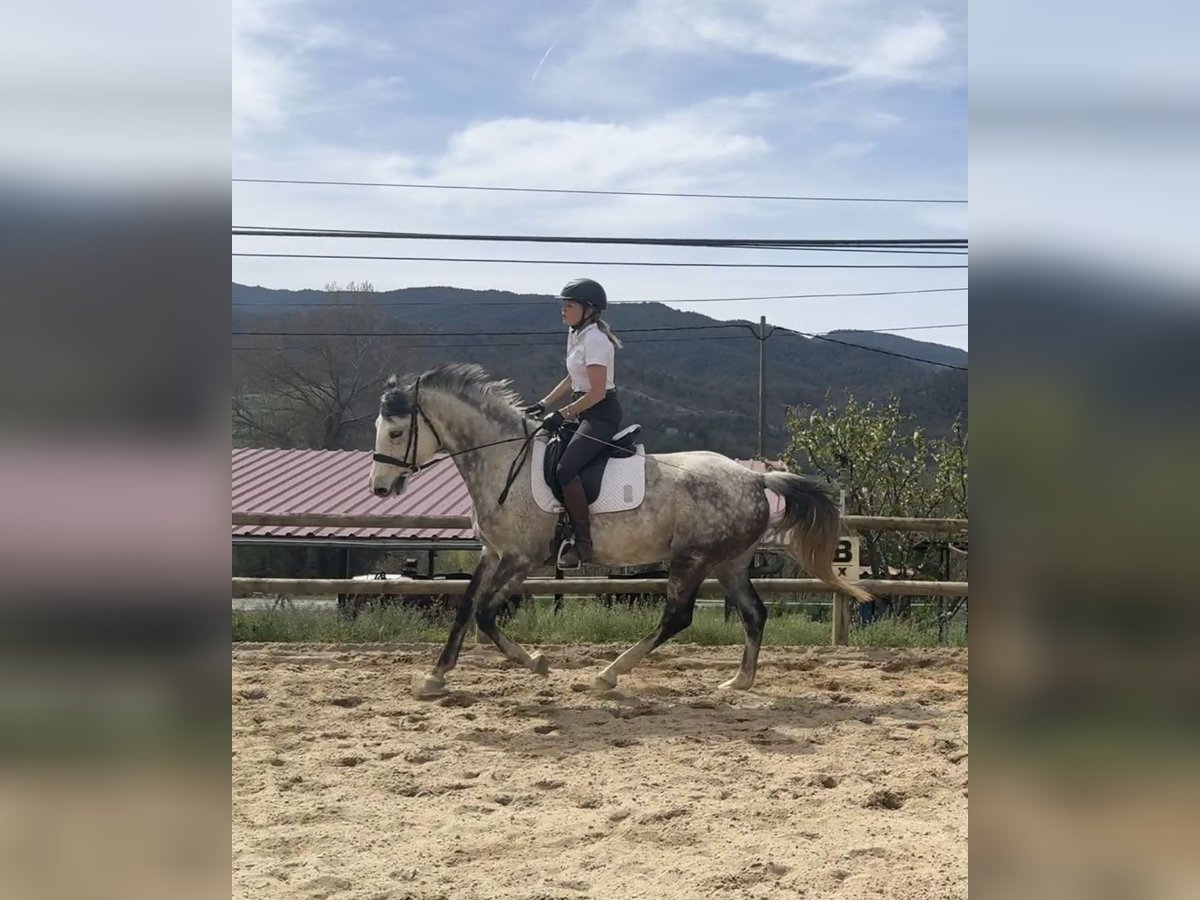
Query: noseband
x=409, y=461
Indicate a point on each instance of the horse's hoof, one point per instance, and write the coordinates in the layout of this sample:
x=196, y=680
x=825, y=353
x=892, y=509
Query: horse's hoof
x=540, y=665
x=737, y=683
x=428, y=687
x=604, y=682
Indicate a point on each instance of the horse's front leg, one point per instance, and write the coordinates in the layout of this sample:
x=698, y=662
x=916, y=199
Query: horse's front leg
x=509, y=578
x=480, y=585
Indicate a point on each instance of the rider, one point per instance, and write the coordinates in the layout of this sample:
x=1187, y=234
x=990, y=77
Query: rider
x=591, y=352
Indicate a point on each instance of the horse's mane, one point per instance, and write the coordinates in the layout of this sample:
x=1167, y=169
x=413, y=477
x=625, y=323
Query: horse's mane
x=466, y=380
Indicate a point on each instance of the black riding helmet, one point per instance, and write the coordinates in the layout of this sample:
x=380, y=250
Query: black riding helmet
x=584, y=290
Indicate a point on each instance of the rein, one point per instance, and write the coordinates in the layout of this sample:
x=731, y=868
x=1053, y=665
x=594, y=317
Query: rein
x=518, y=461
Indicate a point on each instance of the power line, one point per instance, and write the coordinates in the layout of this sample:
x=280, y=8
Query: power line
x=547, y=344
x=805, y=296
x=368, y=304
x=557, y=345
x=904, y=328
x=593, y=262
x=930, y=362
x=824, y=337
x=559, y=332
x=528, y=190
x=955, y=246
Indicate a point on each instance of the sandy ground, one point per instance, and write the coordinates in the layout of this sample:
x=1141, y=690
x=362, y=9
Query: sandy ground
x=842, y=774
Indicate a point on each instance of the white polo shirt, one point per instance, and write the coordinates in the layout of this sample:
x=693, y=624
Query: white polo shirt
x=589, y=347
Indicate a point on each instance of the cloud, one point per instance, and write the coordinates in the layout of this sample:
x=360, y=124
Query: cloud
x=943, y=220
x=902, y=51
x=276, y=45
x=878, y=39
x=265, y=80
x=689, y=149
x=545, y=151
x=849, y=149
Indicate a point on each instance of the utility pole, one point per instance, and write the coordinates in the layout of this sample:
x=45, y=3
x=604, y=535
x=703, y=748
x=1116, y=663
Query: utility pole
x=762, y=384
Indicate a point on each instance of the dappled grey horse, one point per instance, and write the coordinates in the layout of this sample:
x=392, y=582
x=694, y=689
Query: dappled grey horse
x=703, y=512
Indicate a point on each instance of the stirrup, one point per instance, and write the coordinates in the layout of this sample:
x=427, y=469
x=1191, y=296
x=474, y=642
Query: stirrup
x=562, y=548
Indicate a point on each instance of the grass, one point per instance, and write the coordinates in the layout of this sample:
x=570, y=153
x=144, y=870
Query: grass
x=580, y=621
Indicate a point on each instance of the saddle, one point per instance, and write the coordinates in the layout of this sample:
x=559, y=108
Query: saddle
x=624, y=444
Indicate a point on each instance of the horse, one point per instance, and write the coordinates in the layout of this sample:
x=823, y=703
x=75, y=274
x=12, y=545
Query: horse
x=703, y=513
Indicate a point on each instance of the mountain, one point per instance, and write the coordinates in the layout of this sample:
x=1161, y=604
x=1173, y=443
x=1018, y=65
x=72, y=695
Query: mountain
x=689, y=389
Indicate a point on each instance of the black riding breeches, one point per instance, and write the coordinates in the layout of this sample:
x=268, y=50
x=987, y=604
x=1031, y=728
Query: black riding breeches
x=596, y=426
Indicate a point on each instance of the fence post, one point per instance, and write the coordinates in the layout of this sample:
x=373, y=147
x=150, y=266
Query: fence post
x=841, y=620
x=841, y=603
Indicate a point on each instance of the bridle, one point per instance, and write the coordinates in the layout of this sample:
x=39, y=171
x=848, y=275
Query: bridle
x=409, y=461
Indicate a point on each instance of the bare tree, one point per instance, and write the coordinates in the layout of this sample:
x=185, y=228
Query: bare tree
x=318, y=390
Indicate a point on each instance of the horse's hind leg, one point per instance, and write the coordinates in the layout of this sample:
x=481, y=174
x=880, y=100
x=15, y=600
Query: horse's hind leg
x=684, y=578
x=738, y=587
x=485, y=618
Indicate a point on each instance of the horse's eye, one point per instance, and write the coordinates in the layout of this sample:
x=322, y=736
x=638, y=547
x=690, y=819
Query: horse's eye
x=395, y=435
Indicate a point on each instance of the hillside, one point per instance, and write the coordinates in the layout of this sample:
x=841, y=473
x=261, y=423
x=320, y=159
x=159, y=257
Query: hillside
x=687, y=392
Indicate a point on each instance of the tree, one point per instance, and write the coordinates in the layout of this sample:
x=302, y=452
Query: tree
x=887, y=467
x=315, y=392
x=320, y=391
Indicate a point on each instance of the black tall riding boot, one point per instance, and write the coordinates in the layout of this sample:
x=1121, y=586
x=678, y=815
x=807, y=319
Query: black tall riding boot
x=575, y=500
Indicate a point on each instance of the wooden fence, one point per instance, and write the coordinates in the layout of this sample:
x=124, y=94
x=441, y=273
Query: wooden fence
x=297, y=520
x=590, y=585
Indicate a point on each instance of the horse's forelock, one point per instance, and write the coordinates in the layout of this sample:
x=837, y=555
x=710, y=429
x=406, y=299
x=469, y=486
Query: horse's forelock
x=395, y=400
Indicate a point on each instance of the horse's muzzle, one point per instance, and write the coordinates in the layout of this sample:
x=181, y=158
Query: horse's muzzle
x=387, y=490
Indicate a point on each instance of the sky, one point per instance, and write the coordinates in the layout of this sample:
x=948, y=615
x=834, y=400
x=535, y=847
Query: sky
x=860, y=98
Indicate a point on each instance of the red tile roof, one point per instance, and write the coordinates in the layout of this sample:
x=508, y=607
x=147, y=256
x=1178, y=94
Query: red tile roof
x=334, y=482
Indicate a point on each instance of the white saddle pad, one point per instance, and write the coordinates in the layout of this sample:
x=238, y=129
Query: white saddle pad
x=623, y=487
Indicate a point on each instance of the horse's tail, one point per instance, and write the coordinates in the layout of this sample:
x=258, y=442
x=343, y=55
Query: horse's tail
x=811, y=516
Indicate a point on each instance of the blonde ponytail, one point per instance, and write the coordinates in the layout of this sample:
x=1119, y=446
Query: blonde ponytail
x=608, y=332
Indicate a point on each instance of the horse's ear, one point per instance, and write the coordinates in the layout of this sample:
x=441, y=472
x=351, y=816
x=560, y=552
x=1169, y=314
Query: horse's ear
x=393, y=382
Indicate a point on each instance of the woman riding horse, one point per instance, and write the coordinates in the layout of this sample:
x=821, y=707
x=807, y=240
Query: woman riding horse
x=591, y=357
x=709, y=515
